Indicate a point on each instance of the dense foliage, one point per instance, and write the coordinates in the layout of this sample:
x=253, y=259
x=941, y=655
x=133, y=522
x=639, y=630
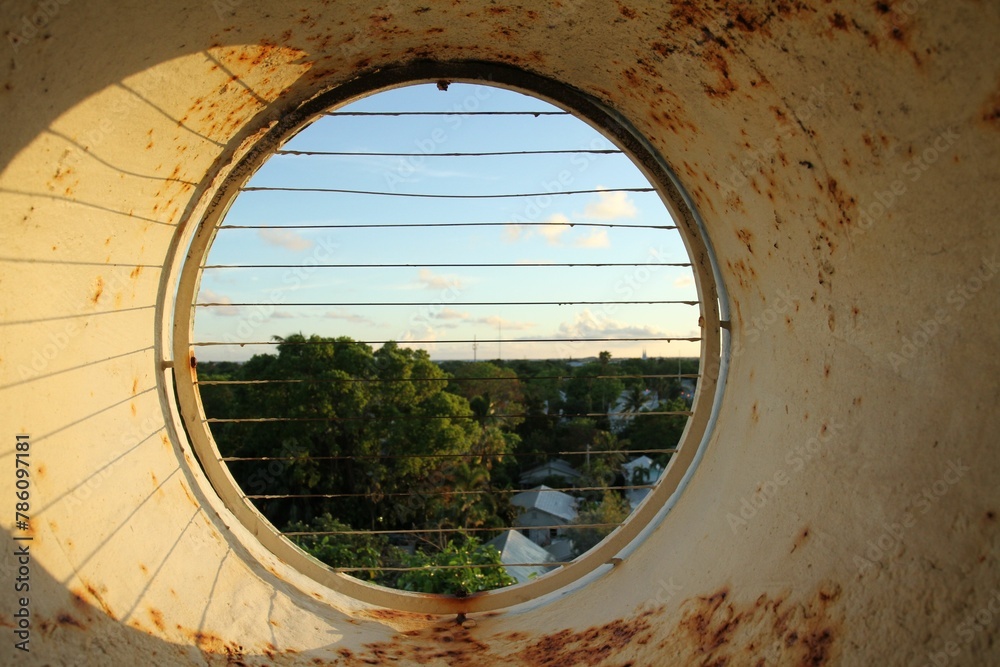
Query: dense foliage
x=388, y=440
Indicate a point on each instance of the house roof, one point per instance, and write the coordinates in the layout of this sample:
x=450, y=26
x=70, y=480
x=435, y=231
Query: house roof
x=544, y=499
x=641, y=462
x=553, y=468
x=516, y=548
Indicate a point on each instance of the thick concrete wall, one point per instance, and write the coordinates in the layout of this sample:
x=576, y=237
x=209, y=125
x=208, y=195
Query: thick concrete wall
x=845, y=157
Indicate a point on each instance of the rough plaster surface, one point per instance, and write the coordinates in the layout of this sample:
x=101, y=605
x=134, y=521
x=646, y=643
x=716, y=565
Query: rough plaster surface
x=845, y=157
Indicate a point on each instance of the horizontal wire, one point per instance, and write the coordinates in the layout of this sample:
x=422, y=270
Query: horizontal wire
x=282, y=496
x=451, y=379
x=445, y=196
x=484, y=341
x=417, y=531
x=411, y=417
x=604, y=151
x=510, y=265
x=398, y=304
x=447, y=113
x=395, y=225
x=228, y=459
x=423, y=568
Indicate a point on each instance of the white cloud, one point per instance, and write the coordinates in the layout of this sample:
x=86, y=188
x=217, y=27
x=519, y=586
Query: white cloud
x=596, y=239
x=551, y=229
x=509, y=325
x=208, y=296
x=512, y=233
x=588, y=325
x=284, y=238
x=283, y=315
x=556, y=225
x=683, y=281
x=610, y=206
x=347, y=317
x=451, y=314
x=427, y=279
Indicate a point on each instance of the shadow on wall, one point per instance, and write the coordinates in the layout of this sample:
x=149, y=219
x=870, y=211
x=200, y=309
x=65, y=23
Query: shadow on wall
x=53, y=621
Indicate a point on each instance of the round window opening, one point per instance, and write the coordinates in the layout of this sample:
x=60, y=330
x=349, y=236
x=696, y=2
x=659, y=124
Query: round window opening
x=450, y=341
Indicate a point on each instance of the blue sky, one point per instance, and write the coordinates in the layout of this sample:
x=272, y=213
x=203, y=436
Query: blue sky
x=435, y=294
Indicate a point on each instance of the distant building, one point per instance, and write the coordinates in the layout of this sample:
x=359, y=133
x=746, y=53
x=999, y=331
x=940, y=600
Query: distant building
x=515, y=548
x=620, y=415
x=544, y=514
x=561, y=549
x=556, y=468
x=640, y=471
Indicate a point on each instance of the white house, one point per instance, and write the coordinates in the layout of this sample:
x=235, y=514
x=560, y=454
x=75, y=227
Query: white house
x=521, y=557
x=544, y=512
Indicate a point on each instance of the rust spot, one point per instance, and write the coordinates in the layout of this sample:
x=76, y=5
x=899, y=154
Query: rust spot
x=801, y=539
x=98, y=291
x=132, y=409
x=187, y=493
x=135, y=386
x=826, y=371
x=135, y=272
x=724, y=85
x=592, y=646
x=754, y=415
x=663, y=49
x=746, y=236
x=716, y=630
x=627, y=12
x=41, y=471
x=65, y=619
x=991, y=110
x=838, y=21
x=991, y=515
x=157, y=617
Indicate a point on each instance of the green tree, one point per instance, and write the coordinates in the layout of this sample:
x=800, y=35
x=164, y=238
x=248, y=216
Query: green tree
x=494, y=393
x=590, y=526
x=348, y=551
x=462, y=568
x=657, y=431
x=357, y=426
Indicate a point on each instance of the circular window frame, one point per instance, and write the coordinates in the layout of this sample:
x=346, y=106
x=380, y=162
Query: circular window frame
x=221, y=189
